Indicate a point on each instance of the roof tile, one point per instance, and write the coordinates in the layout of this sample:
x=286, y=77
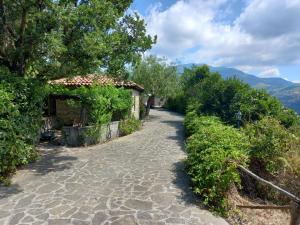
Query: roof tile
x=89, y=79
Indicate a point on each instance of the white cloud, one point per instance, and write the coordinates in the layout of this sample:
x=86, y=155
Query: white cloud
x=185, y=25
x=271, y=18
x=266, y=33
x=270, y=72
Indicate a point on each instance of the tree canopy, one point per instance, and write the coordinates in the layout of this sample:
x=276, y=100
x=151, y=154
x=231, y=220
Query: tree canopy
x=51, y=38
x=157, y=76
x=210, y=94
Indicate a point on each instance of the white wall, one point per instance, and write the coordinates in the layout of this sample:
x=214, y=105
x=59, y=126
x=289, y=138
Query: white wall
x=136, y=104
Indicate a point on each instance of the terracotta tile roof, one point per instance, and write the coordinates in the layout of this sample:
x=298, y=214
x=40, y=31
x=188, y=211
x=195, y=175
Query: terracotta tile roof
x=88, y=80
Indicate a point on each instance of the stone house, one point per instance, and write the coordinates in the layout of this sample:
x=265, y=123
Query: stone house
x=59, y=108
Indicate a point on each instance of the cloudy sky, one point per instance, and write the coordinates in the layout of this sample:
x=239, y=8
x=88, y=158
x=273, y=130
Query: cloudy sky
x=257, y=36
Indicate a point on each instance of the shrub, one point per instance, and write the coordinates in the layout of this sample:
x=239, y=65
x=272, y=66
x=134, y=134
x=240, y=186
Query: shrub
x=256, y=104
x=225, y=97
x=214, y=150
x=190, y=122
x=193, y=122
x=176, y=103
x=103, y=103
x=129, y=125
x=275, y=156
x=271, y=142
x=270, y=138
x=20, y=121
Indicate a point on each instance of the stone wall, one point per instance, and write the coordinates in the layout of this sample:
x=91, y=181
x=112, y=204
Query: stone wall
x=89, y=135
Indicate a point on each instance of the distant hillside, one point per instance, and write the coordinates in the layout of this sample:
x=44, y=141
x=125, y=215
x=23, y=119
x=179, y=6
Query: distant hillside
x=288, y=92
x=290, y=96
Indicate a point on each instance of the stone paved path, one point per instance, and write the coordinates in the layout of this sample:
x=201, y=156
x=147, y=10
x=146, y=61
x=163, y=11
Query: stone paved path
x=138, y=179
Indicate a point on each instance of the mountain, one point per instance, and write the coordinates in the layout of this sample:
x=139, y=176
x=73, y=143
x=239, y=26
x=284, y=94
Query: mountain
x=254, y=81
x=289, y=96
x=287, y=92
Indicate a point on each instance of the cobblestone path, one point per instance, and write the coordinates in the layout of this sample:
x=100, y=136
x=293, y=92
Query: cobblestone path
x=138, y=179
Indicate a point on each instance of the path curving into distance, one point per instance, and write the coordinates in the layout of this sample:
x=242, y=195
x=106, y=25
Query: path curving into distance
x=134, y=180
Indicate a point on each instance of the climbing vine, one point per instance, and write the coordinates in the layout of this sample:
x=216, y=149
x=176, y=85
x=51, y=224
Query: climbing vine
x=102, y=103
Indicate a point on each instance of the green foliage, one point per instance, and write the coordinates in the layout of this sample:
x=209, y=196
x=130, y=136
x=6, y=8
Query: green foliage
x=177, y=103
x=20, y=121
x=191, y=78
x=129, y=125
x=293, y=155
x=224, y=98
x=270, y=138
x=255, y=104
x=57, y=38
x=288, y=118
x=270, y=144
x=191, y=121
x=157, y=77
x=103, y=103
x=214, y=150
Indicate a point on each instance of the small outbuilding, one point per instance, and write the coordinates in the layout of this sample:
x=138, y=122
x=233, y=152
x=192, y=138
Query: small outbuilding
x=58, y=107
x=63, y=113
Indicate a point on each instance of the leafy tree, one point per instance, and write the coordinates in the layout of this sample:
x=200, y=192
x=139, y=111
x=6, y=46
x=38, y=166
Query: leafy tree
x=20, y=121
x=191, y=78
x=47, y=38
x=212, y=95
x=268, y=140
x=157, y=76
x=190, y=84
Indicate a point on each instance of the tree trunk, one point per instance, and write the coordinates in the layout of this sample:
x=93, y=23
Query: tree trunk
x=20, y=44
x=150, y=102
x=83, y=116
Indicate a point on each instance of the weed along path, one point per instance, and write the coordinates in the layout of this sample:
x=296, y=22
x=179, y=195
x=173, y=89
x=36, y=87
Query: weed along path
x=137, y=179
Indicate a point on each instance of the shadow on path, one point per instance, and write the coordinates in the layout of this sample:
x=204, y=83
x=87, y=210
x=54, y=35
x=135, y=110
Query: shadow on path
x=52, y=160
x=183, y=181
x=6, y=191
x=179, y=137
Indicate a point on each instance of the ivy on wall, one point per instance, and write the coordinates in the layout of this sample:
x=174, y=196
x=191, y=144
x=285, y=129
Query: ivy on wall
x=101, y=103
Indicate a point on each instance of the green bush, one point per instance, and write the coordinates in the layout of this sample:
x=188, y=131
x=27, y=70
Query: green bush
x=176, y=103
x=274, y=155
x=193, y=122
x=129, y=125
x=20, y=121
x=214, y=150
x=256, y=104
x=271, y=142
x=103, y=103
x=190, y=122
x=225, y=97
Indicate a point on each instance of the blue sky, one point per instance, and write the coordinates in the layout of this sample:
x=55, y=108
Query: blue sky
x=259, y=37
